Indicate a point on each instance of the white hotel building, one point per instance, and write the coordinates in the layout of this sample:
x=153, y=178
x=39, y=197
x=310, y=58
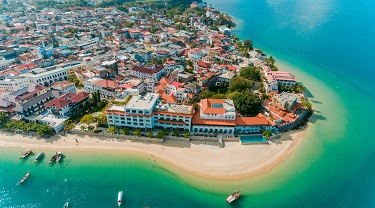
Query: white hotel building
x=147, y=112
x=276, y=78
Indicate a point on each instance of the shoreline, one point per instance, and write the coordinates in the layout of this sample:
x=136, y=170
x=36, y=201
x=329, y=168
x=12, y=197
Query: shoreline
x=205, y=160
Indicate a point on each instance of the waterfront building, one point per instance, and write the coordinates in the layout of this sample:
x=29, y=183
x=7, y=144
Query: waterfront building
x=214, y=116
x=137, y=113
x=32, y=108
x=285, y=100
x=66, y=104
x=276, y=78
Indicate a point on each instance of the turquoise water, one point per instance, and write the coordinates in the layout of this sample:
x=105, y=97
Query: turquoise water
x=257, y=138
x=328, y=45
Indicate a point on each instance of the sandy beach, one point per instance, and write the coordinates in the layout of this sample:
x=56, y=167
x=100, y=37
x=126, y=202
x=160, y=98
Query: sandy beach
x=206, y=160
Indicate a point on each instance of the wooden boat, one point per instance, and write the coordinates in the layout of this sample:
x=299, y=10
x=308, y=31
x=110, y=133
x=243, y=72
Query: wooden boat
x=53, y=158
x=66, y=205
x=40, y=155
x=233, y=197
x=119, y=198
x=23, y=179
x=26, y=153
x=58, y=156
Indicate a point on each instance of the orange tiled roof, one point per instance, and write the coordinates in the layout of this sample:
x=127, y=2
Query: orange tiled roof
x=247, y=121
x=207, y=109
x=198, y=121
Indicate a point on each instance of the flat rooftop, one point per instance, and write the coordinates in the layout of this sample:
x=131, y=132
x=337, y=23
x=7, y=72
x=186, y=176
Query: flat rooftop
x=143, y=102
x=117, y=108
x=173, y=108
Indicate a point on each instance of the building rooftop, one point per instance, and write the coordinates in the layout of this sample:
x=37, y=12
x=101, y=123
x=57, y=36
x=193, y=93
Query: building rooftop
x=217, y=106
x=143, y=102
x=173, y=108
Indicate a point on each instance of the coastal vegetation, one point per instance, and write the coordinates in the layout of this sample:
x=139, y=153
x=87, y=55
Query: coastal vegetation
x=271, y=63
x=267, y=133
x=23, y=126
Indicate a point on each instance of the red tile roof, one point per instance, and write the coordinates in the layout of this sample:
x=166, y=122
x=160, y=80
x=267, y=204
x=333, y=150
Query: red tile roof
x=251, y=121
x=204, y=64
x=198, y=121
x=207, y=109
x=106, y=83
x=67, y=99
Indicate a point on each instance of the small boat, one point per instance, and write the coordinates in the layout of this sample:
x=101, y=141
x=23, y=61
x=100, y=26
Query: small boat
x=40, y=155
x=23, y=179
x=233, y=197
x=119, y=198
x=26, y=153
x=66, y=205
x=53, y=158
x=58, y=156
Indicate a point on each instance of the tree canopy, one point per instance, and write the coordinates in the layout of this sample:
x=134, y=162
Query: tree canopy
x=239, y=84
x=251, y=73
x=87, y=119
x=247, y=104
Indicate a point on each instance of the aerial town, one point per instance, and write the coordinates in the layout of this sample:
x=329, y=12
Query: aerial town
x=140, y=70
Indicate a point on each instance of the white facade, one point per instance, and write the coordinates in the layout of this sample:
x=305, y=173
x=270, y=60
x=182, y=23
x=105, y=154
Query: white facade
x=226, y=106
x=151, y=74
x=144, y=112
x=12, y=84
x=47, y=76
x=137, y=113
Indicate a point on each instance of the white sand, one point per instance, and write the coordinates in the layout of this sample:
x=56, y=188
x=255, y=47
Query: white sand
x=235, y=161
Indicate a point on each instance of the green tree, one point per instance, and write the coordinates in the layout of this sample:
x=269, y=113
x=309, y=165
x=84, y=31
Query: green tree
x=176, y=133
x=251, y=73
x=101, y=118
x=271, y=63
x=218, y=96
x=69, y=125
x=160, y=135
x=267, y=133
x=4, y=118
x=206, y=94
x=90, y=128
x=111, y=130
x=239, y=84
x=149, y=134
x=247, y=104
x=87, y=119
x=307, y=105
x=125, y=131
x=186, y=134
x=137, y=132
x=248, y=44
x=44, y=130
x=82, y=127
